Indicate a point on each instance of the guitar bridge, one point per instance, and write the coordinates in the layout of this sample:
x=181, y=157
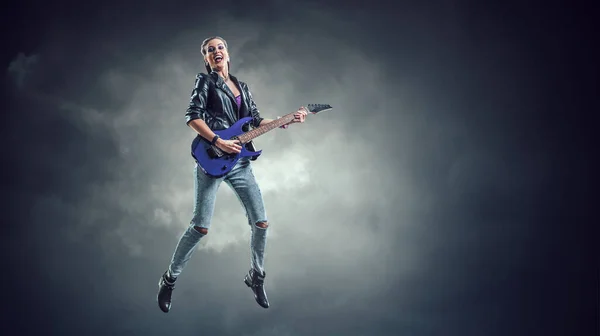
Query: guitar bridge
x=214, y=152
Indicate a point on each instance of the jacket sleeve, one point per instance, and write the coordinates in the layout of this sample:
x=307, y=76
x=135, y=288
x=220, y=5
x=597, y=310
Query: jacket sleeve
x=254, y=112
x=197, y=107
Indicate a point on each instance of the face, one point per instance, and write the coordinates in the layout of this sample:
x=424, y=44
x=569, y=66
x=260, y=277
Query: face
x=216, y=54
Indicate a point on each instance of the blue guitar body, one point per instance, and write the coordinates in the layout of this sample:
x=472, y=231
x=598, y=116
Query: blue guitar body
x=213, y=161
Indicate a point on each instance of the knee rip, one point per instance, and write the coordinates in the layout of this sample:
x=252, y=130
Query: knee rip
x=262, y=225
x=201, y=230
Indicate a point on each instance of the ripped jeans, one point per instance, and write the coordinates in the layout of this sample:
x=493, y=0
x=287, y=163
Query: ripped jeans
x=242, y=181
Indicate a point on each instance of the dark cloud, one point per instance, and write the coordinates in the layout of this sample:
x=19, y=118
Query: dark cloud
x=21, y=67
x=429, y=201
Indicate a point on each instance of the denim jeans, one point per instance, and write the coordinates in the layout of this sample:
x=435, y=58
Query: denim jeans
x=242, y=181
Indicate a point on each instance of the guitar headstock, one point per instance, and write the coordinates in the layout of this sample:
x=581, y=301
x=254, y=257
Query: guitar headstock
x=316, y=108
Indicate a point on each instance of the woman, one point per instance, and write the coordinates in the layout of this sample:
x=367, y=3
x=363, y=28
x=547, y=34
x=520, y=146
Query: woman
x=218, y=101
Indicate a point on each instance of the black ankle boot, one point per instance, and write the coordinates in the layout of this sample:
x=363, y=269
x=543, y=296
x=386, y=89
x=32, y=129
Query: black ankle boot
x=256, y=282
x=166, y=285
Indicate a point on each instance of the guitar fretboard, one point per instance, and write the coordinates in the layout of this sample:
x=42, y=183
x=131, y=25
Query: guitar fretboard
x=248, y=136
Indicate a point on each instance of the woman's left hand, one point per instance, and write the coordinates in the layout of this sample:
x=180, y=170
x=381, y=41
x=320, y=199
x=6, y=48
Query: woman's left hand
x=300, y=115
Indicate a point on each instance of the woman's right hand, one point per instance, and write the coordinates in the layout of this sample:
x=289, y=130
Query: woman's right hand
x=229, y=146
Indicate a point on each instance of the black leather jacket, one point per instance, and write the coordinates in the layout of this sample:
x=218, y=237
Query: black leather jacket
x=213, y=102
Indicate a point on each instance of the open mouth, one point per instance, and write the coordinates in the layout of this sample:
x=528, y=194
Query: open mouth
x=218, y=58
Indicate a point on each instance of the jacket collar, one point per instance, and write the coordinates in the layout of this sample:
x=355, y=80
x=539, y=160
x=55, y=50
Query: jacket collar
x=243, y=94
x=220, y=83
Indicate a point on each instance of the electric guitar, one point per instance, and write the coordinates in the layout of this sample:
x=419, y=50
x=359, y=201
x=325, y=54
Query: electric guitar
x=216, y=162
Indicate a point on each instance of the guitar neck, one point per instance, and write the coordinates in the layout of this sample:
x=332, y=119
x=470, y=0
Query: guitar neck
x=248, y=136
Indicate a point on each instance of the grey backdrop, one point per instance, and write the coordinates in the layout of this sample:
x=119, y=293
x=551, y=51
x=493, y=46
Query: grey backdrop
x=430, y=201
